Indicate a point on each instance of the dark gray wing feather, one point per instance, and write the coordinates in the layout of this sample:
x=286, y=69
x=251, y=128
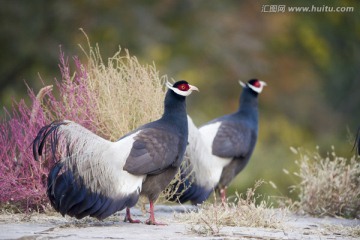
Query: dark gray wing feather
x=152, y=152
x=233, y=140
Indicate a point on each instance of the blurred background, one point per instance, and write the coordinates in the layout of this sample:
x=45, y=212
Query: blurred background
x=311, y=62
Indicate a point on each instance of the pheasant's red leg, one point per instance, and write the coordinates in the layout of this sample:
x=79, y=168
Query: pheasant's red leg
x=223, y=196
x=151, y=220
x=128, y=217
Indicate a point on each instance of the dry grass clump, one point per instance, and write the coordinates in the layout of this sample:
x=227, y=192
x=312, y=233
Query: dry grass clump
x=348, y=231
x=328, y=185
x=245, y=212
x=127, y=94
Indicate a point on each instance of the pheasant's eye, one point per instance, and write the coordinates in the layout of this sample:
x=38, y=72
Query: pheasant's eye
x=183, y=87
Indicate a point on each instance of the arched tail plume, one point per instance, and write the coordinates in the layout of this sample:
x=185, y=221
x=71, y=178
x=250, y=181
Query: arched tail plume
x=87, y=178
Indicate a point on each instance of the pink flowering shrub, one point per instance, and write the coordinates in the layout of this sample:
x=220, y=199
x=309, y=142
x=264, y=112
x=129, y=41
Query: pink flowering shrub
x=22, y=179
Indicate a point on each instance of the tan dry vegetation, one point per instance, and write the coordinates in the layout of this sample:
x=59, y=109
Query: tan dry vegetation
x=328, y=185
x=245, y=212
x=349, y=231
x=128, y=94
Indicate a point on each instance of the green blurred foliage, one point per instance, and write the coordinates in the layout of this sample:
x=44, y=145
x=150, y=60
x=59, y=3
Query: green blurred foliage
x=309, y=60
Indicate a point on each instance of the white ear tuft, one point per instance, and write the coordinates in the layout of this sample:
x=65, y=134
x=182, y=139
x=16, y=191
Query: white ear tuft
x=169, y=85
x=242, y=84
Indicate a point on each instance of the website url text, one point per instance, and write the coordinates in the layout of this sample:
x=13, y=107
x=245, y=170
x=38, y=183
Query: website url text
x=309, y=9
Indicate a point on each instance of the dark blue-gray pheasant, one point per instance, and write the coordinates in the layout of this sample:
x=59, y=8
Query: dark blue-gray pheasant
x=220, y=149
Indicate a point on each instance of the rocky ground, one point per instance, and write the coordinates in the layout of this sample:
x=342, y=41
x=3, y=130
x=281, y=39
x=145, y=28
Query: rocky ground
x=54, y=226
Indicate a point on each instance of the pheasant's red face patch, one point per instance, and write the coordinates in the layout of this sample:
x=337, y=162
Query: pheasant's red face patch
x=256, y=83
x=183, y=87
